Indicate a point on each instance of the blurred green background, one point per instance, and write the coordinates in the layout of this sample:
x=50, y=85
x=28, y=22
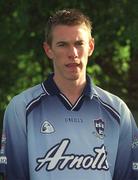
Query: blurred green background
x=113, y=66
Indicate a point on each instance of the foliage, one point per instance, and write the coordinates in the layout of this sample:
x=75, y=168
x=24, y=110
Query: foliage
x=22, y=59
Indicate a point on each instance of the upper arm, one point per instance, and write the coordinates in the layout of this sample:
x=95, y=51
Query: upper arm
x=14, y=158
x=126, y=155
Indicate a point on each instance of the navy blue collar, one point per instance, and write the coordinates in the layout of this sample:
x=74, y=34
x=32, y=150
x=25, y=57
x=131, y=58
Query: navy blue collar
x=52, y=89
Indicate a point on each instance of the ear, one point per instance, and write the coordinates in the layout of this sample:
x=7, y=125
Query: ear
x=91, y=46
x=48, y=50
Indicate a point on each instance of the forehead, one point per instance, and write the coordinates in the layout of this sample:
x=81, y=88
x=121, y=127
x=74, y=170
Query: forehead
x=65, y=32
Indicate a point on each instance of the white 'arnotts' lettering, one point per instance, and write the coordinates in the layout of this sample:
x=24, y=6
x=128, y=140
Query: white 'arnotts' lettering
x=56, y=158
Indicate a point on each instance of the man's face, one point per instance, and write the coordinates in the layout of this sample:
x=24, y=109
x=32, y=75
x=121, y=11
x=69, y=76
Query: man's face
x=70, y=48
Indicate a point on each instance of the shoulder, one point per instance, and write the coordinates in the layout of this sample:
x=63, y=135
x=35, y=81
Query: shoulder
x=107, y=97
x=22, y=100
x=113, y=103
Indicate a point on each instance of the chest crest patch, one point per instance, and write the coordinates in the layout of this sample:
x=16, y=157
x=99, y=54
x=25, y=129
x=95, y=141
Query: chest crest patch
x=47, y=128
x=100, y=127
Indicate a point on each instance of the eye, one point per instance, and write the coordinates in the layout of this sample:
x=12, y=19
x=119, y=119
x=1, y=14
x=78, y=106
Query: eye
x=79, y=43
x=61, y=44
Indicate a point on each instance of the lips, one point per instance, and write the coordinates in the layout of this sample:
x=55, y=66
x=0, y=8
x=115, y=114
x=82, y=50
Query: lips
x=72, y=65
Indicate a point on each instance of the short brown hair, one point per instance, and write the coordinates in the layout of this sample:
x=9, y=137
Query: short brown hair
x=66, y=17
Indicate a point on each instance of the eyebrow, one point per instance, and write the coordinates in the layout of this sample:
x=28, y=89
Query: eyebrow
x=61, y=42
x=65, y=42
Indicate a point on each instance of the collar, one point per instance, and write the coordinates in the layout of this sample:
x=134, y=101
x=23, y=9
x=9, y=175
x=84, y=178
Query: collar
x=51, y=88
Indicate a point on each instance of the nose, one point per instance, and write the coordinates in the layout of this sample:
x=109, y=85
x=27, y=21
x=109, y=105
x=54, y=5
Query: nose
x=73, y=52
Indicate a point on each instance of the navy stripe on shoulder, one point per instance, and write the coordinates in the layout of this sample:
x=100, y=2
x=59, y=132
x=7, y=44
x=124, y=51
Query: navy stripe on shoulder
x=44, y=89
x=109, y=108
x=33, y=102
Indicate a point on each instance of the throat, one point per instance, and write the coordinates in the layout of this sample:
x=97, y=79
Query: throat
x=71, y=90
x=71, y=99
x=72, y=94
x=72, y=104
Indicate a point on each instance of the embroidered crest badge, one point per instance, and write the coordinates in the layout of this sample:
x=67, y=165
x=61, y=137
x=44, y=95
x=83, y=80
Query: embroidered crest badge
x=47, y=128
x=100, y=127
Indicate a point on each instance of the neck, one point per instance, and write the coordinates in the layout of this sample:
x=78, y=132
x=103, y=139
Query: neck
x=72, y=89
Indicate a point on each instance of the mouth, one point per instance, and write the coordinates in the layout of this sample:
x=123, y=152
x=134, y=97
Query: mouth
x=72, y=65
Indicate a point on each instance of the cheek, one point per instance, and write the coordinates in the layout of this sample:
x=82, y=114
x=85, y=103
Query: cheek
x=59, y=54
x=84, y=57
x=84, y=53
x=58, y=58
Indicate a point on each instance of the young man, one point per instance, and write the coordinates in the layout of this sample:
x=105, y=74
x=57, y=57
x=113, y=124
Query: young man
x=67, y=128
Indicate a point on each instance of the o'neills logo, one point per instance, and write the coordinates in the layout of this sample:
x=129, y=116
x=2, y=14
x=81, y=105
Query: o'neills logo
x=56, y=157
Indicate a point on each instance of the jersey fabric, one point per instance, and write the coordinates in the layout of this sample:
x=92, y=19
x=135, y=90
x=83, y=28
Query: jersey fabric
x=46, y=137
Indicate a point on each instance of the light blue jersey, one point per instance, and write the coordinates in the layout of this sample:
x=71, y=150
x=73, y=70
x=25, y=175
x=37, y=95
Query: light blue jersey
x=46, y=137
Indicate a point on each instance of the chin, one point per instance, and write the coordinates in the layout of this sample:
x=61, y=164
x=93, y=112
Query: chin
x=73, y=77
